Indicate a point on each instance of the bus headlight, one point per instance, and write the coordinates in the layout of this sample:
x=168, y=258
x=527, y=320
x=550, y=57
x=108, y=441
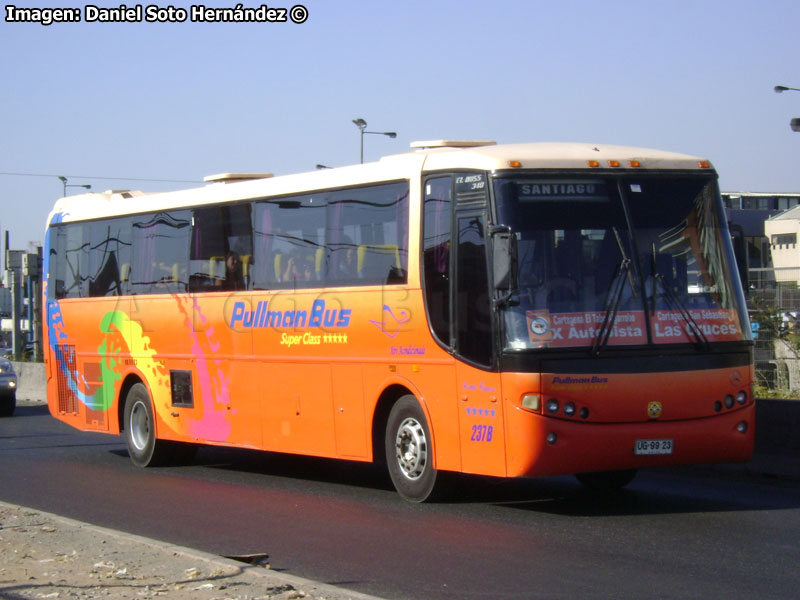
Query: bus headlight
x=741, y=397
x=728, y=401
x=532, y=402
x=552, y=406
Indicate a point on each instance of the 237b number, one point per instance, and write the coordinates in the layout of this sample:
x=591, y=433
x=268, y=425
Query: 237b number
x=481, y=433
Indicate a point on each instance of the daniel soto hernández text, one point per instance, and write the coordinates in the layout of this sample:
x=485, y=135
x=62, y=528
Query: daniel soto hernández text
x=153, y=13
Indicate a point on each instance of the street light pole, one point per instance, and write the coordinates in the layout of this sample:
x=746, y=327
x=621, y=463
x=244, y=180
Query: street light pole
x=779, y=89
x=63, y=179
x=362, y=126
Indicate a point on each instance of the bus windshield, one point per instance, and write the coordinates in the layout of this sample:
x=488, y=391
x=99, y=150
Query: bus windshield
x=618, y=261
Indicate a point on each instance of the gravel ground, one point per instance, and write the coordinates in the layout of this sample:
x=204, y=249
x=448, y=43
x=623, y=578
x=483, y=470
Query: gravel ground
x=47, y=556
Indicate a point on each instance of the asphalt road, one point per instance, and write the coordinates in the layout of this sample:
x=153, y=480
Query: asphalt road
x=674, y=533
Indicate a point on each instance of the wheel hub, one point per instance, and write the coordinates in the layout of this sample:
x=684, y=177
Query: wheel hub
x=411, y=448
x=140, y=426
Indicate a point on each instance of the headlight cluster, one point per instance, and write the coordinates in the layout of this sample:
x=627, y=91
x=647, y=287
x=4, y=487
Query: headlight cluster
x=730, y=401
x=569, y=409
x=553, y=406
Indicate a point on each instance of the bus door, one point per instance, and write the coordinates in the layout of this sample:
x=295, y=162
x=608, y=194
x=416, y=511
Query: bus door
x=478, y=387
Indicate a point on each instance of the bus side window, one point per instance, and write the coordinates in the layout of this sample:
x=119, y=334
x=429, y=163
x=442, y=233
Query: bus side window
x=378, y=263
x=367, y=235
x=473, y=307
x=76, y=261
x=221, y=256
x=160, y=253
x=436, y=254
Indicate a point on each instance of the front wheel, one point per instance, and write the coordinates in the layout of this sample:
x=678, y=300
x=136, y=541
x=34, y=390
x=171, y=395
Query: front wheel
x=409, y=453
x=144, y=448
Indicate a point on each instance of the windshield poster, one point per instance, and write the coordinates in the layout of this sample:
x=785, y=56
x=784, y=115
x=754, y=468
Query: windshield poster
x=562, y=330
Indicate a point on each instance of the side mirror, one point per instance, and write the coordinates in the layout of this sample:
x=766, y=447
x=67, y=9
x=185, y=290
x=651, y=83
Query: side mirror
x=504, y=258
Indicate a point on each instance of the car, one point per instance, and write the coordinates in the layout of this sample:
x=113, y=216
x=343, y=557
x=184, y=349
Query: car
x=8, y=388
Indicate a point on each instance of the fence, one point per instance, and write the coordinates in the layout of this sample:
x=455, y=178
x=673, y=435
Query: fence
x=773, y=301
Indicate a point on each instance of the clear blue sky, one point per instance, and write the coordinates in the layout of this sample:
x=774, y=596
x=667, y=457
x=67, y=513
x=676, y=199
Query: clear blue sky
x=178, y=101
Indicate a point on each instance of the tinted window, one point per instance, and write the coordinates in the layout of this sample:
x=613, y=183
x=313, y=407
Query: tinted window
x=367, y=237
x=222, y=248
x=583, y=282
x=161, y=253
x=343, y=237
x=289, y=242
x=109, y=256
x=436, y=254
x=69, y=261
x=473, y=315
x=346, y=237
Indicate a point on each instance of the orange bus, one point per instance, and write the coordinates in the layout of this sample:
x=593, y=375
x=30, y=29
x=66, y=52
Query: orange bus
x=505, y=310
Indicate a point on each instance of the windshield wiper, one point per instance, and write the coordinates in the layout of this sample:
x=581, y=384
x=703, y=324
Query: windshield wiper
x=614, y=296
x=674, y=302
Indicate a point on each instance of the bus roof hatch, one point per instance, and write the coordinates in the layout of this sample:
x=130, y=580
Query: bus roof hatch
x=452, y=144
x=235, y=177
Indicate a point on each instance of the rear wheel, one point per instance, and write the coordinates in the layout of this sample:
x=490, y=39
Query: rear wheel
x=140, y=430
x=409, y=453
x=607, y=481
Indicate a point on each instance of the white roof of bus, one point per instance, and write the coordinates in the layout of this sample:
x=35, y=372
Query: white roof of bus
x=553, y=156
x=431, y=156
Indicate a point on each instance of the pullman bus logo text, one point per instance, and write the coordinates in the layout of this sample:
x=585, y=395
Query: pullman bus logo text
x=264, y=318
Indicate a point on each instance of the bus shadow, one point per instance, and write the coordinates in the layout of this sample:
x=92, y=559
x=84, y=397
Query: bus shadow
x=293, y=467
x=673, y=491
x=676, y=491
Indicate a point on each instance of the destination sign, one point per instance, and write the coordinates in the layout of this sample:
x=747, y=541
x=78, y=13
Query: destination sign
x=561, y=190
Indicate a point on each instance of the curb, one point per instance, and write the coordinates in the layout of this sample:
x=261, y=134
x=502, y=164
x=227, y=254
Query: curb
x=191, y=553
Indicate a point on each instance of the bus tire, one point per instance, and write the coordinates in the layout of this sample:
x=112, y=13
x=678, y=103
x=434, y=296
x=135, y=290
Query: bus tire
x=144, y=448
x=606, y=481
x=409, y=452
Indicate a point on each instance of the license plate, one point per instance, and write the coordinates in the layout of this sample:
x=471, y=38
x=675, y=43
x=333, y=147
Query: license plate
x=653, y=447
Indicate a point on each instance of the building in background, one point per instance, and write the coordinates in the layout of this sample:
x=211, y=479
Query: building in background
x=748, y=212
x=782, y=231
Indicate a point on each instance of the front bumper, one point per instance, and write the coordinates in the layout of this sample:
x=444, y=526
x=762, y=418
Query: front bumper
x=578, y=447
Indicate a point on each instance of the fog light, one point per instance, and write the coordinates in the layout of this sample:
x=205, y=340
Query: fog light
x=584, y=413
x=12, y=384
x=728, y=401
x=741, y=397
x=742, y=427
x=552, y=405
x=569, y=409
x=532, y=402
x=551, y=438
